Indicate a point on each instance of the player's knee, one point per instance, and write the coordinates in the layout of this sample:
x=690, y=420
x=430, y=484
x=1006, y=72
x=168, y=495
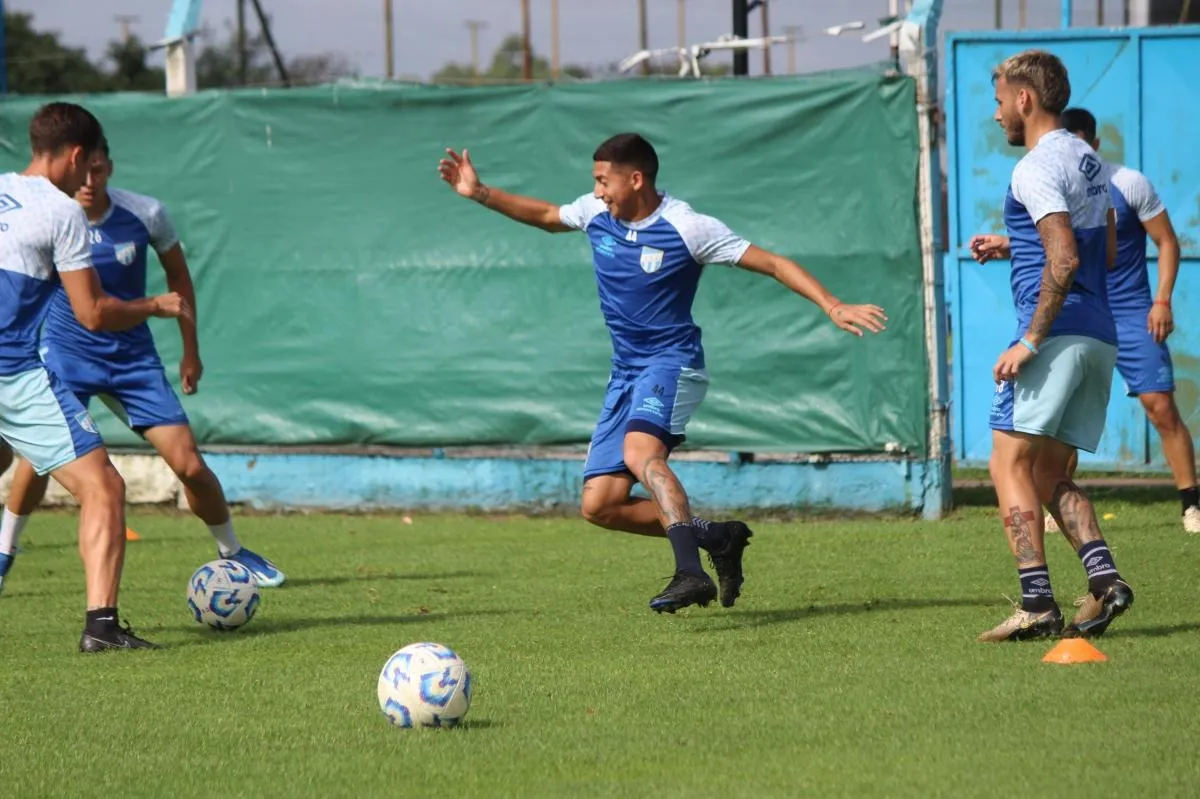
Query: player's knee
x=1161, y=411
x=192, y=470
x=598, y=508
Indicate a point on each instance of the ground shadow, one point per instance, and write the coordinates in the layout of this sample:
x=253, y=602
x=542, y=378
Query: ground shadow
x=369, y=576
x=1161, y=631
x=976, y=495
x=199, y=635
x=763, y=618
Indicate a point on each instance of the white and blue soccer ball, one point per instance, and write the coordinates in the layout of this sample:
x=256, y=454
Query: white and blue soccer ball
x=223, y=594
x=425, y=685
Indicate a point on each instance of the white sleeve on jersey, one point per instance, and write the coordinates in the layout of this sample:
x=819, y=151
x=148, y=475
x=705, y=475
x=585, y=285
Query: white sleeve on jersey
x=153, y=215
x=1139, y=193
x=162, y=232
x=72, y=251
x=708, y=239
x=579, y=214
x=1042, y=191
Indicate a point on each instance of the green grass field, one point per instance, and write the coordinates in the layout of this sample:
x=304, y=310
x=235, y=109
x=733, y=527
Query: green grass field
x=849, y=668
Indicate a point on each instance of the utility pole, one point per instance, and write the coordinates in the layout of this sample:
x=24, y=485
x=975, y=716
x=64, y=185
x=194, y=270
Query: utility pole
x=241, y=42
x=1021, y=9
x=763, y=5
x=998, y=14
x=125, y=20
x=526, y=44
x=554, y=42
x=792, y=32
x=894, y=37
x=643, y=34
x=389, y=43
x=681, y=22
x=741, y=29
x=474, y=26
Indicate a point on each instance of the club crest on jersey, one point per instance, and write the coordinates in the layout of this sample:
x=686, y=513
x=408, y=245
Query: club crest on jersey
x=652, y=260
x=84, y=420
x=125, y=252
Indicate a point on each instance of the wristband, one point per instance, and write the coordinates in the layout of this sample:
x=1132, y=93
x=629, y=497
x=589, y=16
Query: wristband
x=1163, y=302
x=834, y=307
x=1029, y=346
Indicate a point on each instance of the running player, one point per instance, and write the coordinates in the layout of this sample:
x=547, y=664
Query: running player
x=649, y=249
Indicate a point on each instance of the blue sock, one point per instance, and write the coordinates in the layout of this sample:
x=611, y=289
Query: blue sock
x=1036, y=594
x=1098, y=561
x=709, y=535
x=687, y=552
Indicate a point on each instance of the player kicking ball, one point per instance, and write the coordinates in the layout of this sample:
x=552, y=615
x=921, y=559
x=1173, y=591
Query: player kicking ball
x=124, y=368
x=43, y=253
x=649, y=249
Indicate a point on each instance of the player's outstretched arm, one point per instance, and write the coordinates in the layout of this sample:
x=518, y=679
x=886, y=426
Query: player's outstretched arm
x=851, y=318
x=459, y=173
x=99, y=311
x=179, y=281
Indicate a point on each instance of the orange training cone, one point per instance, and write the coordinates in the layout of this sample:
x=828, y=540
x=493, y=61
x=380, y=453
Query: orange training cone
x=130, y=535
x=1074, y=650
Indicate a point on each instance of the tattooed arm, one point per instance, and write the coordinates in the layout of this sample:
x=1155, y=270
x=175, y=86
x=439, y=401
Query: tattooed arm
x=1062, y=262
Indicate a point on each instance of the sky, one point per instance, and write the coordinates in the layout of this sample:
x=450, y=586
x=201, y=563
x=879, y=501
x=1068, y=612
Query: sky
x=430, y=33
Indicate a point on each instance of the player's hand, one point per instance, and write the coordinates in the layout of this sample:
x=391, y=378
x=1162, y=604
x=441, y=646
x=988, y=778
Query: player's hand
x=458, y=171
x=173, y=306
x=853, y=317
x=1160, y=322
x=190, y=372
x=1010, y=362
x=986, y=248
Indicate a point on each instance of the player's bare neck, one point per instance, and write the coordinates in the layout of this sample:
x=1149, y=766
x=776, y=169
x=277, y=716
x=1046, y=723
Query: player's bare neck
x=1038, y=126
x=648, y=203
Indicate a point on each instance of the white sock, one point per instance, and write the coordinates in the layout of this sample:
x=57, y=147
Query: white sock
x=227, y=542
x=10, y=531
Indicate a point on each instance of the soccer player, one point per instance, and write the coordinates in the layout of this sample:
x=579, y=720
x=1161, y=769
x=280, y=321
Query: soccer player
x=124, y=369
x=649, y=249
x=1144, y=320
x=1053, y=383
x=44, y=243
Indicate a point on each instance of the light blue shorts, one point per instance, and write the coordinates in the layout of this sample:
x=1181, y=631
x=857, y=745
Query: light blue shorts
x=43, y=421
x=1062, y=393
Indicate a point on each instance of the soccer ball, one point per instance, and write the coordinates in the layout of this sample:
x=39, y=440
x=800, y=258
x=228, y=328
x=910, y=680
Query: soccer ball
x=425, y=685
x=223, y=594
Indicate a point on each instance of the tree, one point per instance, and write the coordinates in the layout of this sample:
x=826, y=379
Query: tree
x=218, y=64
x=507, y=65
x=130, y=71
x=38, y=63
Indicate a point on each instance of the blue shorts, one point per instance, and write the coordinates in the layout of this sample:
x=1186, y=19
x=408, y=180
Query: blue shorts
x=1144, y=364
x=139, y=393
x=43, y=421
x=658, y=400
x=1062, y=393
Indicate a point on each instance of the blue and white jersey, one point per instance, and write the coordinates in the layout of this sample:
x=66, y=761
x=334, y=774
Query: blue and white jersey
x=42, y=232
x=1136, y=202
x=1061, y=174
x=647, y=273
x=119, y=245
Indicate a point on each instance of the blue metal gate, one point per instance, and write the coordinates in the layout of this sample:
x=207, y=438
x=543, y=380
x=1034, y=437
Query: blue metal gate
x=1143, y=85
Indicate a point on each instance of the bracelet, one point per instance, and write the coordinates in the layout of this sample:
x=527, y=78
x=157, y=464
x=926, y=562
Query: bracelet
x=1029, y=346
x=1163, y=302
x=833, y=308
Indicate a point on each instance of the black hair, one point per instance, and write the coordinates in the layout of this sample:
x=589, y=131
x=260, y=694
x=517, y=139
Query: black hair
x=631, y=150
x=1079, y=120
x=57, y=126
